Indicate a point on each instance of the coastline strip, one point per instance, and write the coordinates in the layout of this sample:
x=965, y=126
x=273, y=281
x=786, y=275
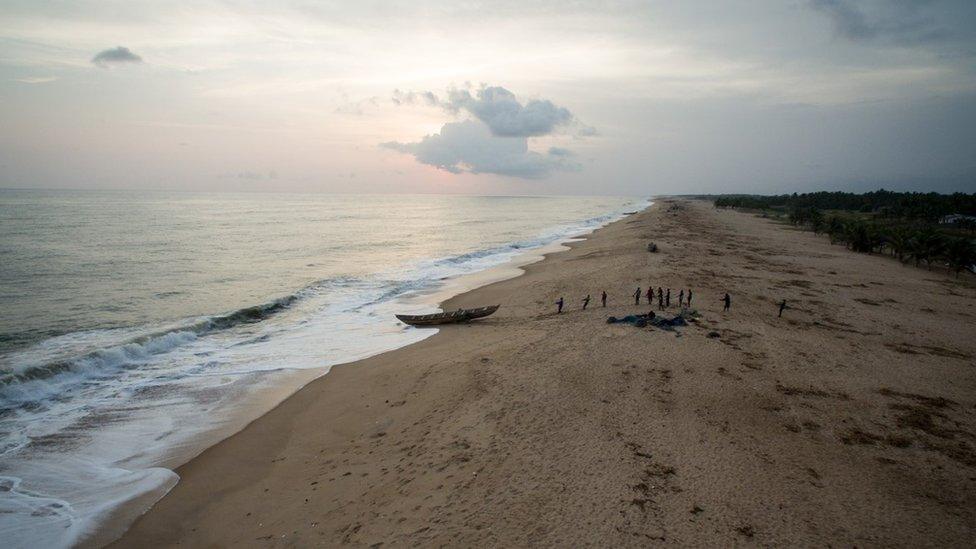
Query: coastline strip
x=531, y=428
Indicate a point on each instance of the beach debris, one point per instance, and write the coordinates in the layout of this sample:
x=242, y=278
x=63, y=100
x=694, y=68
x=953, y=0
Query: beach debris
x=669, y=323
x=679, y=320
x=651, y=319
x=714, y=335
x=631, y=319
x=746, y=530
x=652, y=247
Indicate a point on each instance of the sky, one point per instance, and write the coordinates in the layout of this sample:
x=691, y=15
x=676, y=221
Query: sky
x=535, y=98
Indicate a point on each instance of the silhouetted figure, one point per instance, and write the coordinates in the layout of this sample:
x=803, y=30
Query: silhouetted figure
x=728, y=302
x=603, y=298
x=689, y=298
x=660, y=293
x=660, y=301
x=681, y=298
x=667, y=299
x=586, y=301
x=650, y=295
x=781, y=307
x=559, y=306
x=637, y=294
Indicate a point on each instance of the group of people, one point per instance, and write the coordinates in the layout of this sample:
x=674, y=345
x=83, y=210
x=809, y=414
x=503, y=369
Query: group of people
x=663, y=299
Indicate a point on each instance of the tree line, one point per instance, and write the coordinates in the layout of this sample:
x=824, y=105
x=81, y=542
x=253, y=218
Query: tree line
x=928, y=207
x=904, y=225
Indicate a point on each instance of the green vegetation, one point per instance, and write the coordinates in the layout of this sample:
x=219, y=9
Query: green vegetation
x=905, y=225
x=928, y=207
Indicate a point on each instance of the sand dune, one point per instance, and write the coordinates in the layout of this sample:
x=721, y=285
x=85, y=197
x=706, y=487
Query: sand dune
x=849, y=421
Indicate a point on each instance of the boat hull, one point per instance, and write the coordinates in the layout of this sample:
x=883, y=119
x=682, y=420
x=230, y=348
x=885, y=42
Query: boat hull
x=453, y=317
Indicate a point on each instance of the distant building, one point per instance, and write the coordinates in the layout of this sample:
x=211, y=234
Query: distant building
x=957, y=218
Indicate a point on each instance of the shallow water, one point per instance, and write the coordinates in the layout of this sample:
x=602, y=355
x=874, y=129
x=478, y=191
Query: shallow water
x=137, y=325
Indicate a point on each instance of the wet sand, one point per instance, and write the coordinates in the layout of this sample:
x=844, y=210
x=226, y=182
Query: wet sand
x=849, y=421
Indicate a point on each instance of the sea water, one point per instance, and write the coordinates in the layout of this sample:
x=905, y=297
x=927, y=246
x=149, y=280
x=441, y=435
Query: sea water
x=137, y=328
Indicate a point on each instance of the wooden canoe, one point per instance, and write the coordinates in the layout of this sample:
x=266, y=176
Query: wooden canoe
x=460, y=315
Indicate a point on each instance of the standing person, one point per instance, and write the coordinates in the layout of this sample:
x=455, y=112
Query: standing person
x=586, y=301
x=650, y=295
x=728, y=301
x=660, y=301
x=781, y=307
x=667, y=299
x=637, y=294
x=603, y=298
x=689, y=297
x=681, y=298
x=660, y=293
x=559, y=305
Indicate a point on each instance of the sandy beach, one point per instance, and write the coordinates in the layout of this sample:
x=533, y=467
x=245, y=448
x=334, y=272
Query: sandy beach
x=849, y=421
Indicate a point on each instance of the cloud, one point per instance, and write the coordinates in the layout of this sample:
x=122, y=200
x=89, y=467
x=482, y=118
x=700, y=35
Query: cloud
x=495, y=138
x=357, y=108
x=901, y=23
x=848, y=19
x=250, y=175
x=559, y=151
x=500, y=109
x=414, y=98
x=115, y=56
x=471, y=147
x=506, y=116
x=36, y=79
x=586, y=131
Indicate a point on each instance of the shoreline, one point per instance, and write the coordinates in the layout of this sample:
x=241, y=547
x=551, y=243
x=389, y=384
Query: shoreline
x=455, y=438
x=286, y=384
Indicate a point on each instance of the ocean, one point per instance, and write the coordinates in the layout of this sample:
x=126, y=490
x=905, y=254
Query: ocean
x=138, y=328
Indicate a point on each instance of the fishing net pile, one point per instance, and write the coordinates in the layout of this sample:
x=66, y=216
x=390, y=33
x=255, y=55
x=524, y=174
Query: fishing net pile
x=652, y=319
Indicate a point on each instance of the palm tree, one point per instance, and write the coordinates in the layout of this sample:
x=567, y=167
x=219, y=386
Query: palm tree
x=798, y=216
x=835, y=228
x=876, y=239
x=967, y=223
x=816, y=218
x=926, y=246
x=900, y=241
x=862, y=236
x=960, y=253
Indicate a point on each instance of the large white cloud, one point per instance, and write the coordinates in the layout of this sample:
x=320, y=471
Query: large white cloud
x=470, y=146
x=495, y=137
x=500, y=109
x=506, y=116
